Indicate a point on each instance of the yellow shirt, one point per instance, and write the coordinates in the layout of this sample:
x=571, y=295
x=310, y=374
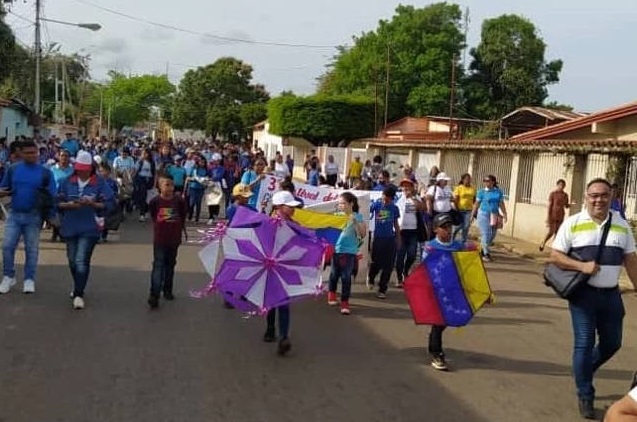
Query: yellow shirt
x=466, y=196
x=355, y=169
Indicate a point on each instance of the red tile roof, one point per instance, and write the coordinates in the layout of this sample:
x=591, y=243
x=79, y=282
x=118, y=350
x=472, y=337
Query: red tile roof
x=556, y=130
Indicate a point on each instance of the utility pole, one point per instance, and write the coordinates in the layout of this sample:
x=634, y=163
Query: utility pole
x=38, y=56
x=452, y=95
x=387, y=87
x=99, y=131
x=56, y=117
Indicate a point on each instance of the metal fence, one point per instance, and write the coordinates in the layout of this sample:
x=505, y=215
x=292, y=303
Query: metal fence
x=549, y=168
x=498, y=164
x=525, y=178
x=455, y=164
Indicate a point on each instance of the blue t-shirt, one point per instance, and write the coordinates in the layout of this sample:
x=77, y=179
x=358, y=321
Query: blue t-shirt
x=385, y=216
x=249, y=177
x=178, y=174
x=26, y=180
x=71, y=146
x=60, y=174
x=313, y=178
x=490, y=200
x=436, y=244
x=197, y=172
x=348, y=240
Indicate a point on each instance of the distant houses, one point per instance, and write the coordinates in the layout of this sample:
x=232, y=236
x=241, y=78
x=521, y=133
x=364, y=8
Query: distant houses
x=16, y=119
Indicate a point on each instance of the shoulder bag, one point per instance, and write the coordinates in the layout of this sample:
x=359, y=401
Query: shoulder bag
x=567, y=282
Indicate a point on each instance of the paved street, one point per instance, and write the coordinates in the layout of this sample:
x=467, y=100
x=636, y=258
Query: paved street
x=192, y=360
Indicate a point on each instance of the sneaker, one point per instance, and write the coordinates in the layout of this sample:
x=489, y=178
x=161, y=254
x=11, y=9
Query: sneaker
x=486, y=258
x=78, y=303
x=142, y=218
x=169, y=296
x=381, y=295
x=587, y=409
x=210, y=222
x=331, y=299
x=28, y=287
x=439, y=363
x=345, y=308
x=153, y=302
x=634, y=383
x=398, y=284
x=369, y=283
x=269, y=337
x=7, y=284
x=284, y=346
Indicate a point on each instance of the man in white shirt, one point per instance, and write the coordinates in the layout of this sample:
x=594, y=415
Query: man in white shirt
x=596, y=308
x=409, y=206
x=123, y=162
x=281, y=170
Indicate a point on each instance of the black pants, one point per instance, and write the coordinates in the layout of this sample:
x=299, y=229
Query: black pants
x=383, y=257
x=331, y=179
x=164, y=261
x=213, y=211
x=435, y=340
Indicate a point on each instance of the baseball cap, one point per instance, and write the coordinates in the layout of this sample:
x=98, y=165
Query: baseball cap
x=442, y=176
x=242, y=190
x=284, y=198
x=177, y=157
x=406, y=182
x=83, y=161
x=442, y=219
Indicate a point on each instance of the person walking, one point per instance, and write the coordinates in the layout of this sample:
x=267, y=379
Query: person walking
x=558, y=201
x=464, y=196
x=253, y=178
x=32, y=189
x=386, y=240
x=284, y=204
x=168, y=213
x=143, y=182
x=490, y=212
x=355, y=171
x=409, y=207
x=61, y=171
x=83, y=197
x=439, y=196
x=330, y=169
x=596, y=307
x=196, y=187
x=345, y=251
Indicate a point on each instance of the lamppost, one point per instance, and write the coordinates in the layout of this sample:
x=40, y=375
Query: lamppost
x=38, y=46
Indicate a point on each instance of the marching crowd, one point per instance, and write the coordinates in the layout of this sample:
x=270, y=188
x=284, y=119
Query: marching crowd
x=83, y=189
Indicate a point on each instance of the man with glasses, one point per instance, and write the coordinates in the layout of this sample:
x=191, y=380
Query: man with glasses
x=596, y=308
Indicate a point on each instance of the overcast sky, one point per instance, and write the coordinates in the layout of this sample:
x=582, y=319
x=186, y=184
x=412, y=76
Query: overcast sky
x=595, y=39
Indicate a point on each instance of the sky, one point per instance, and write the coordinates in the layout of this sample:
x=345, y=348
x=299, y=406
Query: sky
x=595, y=39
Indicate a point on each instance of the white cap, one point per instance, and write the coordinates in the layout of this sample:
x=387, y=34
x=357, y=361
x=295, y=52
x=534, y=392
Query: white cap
x=442, y=176
x=284, y=198
x=83, y=161
x=97, y=159
x=216, y=157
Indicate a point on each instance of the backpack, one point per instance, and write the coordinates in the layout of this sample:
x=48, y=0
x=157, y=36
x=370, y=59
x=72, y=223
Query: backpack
x=44, y=202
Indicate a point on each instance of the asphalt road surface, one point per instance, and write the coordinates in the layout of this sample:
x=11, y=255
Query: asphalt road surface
x=192, y=360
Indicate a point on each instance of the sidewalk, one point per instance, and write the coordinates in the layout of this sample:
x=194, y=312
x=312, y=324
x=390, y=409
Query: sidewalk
x=530, y=251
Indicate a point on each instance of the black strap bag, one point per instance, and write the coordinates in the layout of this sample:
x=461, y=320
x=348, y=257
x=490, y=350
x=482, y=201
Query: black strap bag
x=567, y=282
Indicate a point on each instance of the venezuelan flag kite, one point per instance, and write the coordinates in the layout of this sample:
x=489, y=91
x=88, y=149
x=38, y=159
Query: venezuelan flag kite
x=326, y=226
x=448, y=288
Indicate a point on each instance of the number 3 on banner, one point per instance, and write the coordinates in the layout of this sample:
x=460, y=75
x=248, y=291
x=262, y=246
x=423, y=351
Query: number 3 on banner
x=272, y=184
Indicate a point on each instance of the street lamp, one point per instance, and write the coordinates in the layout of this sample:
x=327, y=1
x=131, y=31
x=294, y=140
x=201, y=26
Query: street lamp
x=38, y=46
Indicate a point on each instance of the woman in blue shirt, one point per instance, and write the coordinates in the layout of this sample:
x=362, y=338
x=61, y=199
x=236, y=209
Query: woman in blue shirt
x=490, y=212
x=345, y=252
x=61, y=171
x=313, y=175
x=253, y=179
x=195, y=183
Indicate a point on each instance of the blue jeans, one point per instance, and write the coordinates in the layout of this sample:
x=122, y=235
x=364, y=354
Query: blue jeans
x=342, y=267
x=27, y=226
x=464, y=228
x=164, y=261
x=406, y=255
x=195, y=198
x=594, y=311
x=79, y=250
x=284, y=320
x=487, y=232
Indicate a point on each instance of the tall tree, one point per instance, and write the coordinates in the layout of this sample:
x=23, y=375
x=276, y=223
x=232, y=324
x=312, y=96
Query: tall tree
x=413, y=51
x=131, y=99
x=220, y=98
x=508, y=69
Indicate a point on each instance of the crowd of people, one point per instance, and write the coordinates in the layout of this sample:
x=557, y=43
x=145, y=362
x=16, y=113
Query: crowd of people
x=81, y=189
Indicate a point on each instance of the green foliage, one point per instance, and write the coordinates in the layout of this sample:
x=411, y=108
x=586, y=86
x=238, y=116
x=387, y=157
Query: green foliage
x=417, y=46
x=131, y=99
x=554, y=105
x=321, y=119
x=508, y=69
x=220, y=98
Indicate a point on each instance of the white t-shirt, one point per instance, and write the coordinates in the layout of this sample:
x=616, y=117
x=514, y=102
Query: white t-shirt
x=442, y=198
x=145, y=170
x=407, y=219
x=331, y=169
x=81, y=184
x=581, y=234
x=281, y=170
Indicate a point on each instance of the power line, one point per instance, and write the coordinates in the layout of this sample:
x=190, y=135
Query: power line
x=204, y=34
x=21, y=17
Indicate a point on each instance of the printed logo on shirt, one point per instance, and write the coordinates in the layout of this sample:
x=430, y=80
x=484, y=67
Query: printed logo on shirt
x=167, y=215
x=383, y=215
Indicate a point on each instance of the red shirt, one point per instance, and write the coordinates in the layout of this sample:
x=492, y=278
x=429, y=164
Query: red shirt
x=169, y=218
